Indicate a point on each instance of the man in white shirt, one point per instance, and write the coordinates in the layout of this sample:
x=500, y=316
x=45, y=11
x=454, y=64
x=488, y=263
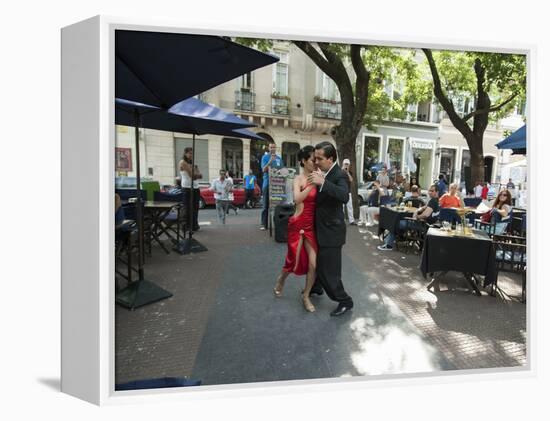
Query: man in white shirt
x=478, y=189
x=222, y=188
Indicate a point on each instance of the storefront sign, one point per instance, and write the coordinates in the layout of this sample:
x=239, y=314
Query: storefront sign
x=417, y=144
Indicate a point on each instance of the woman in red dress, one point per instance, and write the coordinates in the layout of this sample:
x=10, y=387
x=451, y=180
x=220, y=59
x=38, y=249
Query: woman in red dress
x=302, y=243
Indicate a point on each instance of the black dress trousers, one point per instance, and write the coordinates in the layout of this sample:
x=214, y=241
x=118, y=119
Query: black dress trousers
x=329, y=274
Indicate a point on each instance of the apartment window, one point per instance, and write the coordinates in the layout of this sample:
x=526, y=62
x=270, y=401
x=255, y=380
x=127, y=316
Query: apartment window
x=370, y=157
x=280, y=74
x=326, y=88
x=395, y=152
x=246, y=82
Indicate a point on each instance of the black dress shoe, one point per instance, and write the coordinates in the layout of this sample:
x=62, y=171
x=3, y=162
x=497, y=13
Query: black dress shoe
x=341, y=309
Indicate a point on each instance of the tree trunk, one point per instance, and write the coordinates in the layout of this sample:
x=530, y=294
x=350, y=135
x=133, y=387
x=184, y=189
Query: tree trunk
x=345, y=138
x=477, y=163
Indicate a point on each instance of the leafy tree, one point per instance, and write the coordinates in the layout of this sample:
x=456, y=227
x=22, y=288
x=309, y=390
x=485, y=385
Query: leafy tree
x=496, y=83
x=360, y=73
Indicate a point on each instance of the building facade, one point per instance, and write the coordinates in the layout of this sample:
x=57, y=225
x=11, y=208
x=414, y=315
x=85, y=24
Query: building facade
x=294, y=104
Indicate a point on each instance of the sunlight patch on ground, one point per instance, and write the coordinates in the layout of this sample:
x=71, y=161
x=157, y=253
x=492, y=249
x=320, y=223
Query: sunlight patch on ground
x=389, y=349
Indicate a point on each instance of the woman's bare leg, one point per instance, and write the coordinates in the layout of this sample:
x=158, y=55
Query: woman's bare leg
x=279, y=285
x=310, y=277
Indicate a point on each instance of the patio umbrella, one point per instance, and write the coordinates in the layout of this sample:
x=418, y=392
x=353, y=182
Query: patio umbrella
x=517, y=141
x=191, y=116
x=162, y=68
x=159, y=70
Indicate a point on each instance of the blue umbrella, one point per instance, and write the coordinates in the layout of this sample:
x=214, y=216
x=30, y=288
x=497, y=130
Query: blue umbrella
x=189, y=116
x=159, y=70
x=517, y=141
x=162, y=69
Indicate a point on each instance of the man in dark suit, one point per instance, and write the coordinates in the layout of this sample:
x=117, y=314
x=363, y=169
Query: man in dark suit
x=333, y=192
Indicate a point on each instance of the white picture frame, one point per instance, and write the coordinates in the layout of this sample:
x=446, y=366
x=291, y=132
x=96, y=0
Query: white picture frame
x=88, y=147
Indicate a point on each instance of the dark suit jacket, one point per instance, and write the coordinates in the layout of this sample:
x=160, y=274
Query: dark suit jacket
x=329, y=213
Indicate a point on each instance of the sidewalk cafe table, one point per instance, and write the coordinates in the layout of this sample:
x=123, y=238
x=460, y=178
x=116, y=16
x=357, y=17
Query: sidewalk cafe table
x=472, y=254
x=390, y=216
x=159, y=210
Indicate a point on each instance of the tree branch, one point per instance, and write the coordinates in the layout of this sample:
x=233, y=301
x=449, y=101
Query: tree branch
x=317, y=58
x=447, y=105
x=489, y=110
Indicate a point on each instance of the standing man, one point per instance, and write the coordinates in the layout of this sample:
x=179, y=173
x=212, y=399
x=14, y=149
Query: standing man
x=330, y=225
x=186, y=170
x=384, y=179
x=349, y=205
x=269, y=160
x=510, y=185
x=249, y=184
x=478, y=189
x=441, y=185
x=222, y=187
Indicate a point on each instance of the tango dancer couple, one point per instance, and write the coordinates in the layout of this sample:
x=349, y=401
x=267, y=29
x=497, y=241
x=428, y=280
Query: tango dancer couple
x=317, y=230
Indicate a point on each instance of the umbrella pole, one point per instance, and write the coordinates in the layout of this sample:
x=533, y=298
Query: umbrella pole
x=190, y=245
x=139, y=203
x=140, y=292
x=191, y=202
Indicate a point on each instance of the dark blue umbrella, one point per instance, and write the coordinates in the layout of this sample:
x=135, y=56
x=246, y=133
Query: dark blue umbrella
x=517, y=141
x=247, y=134
x=189, y=116
x=162, y=68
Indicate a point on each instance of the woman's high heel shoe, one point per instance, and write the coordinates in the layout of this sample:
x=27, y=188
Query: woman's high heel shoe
x=307, y=304
x=278, y=290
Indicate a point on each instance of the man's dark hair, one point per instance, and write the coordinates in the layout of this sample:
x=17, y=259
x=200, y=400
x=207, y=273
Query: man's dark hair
x=328, y=150
x=441, y=177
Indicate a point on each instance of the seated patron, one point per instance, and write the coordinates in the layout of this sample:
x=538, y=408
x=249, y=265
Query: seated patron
x=502, y=207
x=427, y=213
x=368, y=212
x=413, y=200
x=451, y=198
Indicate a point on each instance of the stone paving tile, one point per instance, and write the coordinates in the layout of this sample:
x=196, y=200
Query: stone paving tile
x=472, y=332
x=164, y=339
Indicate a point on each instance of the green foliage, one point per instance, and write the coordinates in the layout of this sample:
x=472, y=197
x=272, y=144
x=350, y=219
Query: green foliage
x=505, y=75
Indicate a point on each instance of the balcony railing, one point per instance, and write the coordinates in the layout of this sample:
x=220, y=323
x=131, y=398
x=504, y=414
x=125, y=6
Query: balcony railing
x=245, y=100
x=279, y=105
x=327, y=109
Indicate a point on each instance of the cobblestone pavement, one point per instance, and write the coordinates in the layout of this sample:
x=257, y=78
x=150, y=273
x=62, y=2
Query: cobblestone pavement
x=224, y=326
x=471, y=331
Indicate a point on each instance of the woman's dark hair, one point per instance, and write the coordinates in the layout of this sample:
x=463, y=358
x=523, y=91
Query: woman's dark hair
x=305, y=153
x=328, y=150
x=498, y=204
x=185, y=152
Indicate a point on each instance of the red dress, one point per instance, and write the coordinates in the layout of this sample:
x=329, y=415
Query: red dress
x=301, y=228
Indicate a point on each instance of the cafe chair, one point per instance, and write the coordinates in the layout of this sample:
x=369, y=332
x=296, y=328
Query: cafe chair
x=511, y=256
x=472, y=202
x=492, y=228
x=126, y=194
x=449, y=215
x=413, y=236
x=125, y=245
x=386, y=200
x=130, y=213
x=169, y=224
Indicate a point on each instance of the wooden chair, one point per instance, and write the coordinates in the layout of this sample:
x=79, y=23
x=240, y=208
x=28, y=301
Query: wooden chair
x=511, y=256
x=414, y=235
